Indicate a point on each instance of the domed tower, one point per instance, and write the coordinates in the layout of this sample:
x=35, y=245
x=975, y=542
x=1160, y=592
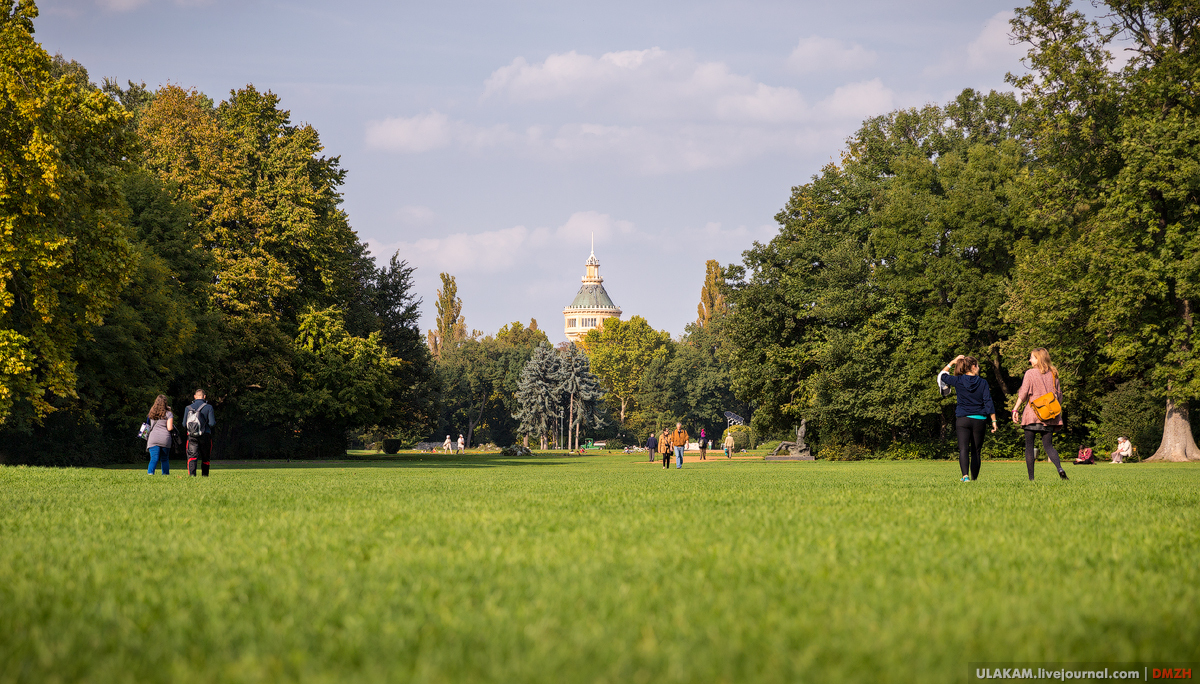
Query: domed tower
x=592, y=305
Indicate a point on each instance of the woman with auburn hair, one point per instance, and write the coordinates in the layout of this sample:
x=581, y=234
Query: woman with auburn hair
x=158, y=442
x=972, y=413
x=1040, y=380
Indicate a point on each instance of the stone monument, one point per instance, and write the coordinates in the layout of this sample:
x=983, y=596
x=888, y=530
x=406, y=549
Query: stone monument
x=795, y=451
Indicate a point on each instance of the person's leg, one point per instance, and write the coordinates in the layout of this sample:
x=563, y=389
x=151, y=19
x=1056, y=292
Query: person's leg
x=165, y=460
x=1030, y=452
x=205, y=453
x=153, y=460
x=1052, y=454
x=678, y=457
x=962, y=426
x=978, y=430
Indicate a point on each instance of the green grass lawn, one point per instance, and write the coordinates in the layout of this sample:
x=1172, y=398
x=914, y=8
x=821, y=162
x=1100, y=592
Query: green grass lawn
x=593, y=569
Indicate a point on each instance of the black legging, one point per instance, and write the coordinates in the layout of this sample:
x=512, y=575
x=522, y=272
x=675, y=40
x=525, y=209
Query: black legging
x=1031, y=450
x=970, y=443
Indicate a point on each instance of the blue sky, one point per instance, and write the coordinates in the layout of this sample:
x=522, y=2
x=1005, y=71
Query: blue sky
x=490, y=140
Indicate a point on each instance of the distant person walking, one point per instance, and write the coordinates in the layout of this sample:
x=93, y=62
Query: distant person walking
x=652, y=447
x=1124, y=450
x=158, y=442
x=462, y=443
x=729, y=444
x=664, y=447
x=1039, y=386
x=679, y=440
x=972, y=413
x=199, y=420
x=446, y=446
x=703, y=445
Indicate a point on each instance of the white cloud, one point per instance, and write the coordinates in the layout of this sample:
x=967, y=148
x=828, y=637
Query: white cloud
x=652, y=111
x=496, y=251
x=646, y=85
x=993, y=47
x=431, y=131
x=993, y=52
x=817, y=54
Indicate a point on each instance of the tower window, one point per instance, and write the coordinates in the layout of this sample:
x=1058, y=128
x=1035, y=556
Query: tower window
x=589, y=322
x=570, y=322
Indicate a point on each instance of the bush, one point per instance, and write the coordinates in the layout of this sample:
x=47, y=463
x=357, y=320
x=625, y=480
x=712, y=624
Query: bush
x=1130, y=410
x=844, y=452
x=614, y=443
x=771, y=445
x=391, y=446
x=743, y=437
x=515, y=450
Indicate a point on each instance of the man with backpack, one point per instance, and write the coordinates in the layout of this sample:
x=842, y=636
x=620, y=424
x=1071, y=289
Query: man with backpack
x=199, y=420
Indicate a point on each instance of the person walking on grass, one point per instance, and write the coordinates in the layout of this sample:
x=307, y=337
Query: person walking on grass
x=972, y=413
x=679, y=440
x=199, y=420
x=664, y=447
x=1039, y=386
x=462, y=444
x=158, y=442
x=703, y=445
x=652, y=447
x=446, y=446
x=729, y=444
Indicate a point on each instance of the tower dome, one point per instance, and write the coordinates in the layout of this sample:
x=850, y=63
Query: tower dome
x=591, y=304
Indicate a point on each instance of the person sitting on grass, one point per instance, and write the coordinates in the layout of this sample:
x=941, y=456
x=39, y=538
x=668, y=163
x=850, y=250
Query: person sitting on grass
x=1124, y=450
x=1085, y=456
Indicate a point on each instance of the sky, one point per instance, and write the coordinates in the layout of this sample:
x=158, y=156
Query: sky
x=494, y=140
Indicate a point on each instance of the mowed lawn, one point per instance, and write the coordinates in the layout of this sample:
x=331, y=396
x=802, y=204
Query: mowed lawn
x=592, y=569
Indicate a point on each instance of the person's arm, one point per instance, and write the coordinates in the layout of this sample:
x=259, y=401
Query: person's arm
x=211, y=416
x=1021, y=397
x=170, y=422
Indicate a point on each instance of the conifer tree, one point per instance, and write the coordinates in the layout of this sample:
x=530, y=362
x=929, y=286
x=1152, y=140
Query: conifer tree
x=537, y=393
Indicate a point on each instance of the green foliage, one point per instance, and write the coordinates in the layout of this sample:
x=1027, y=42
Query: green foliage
x=64, y=238
x=620, y=352
x=451, y=329
x=374, y=571
x=743, y=437
x=1110, y=276
x=1131, y=410
x=885, y=266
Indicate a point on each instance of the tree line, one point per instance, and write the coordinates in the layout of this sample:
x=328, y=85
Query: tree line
x=159, y=241
x=1065, y=218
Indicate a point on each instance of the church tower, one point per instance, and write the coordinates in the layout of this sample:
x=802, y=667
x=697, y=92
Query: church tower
x=592, y=305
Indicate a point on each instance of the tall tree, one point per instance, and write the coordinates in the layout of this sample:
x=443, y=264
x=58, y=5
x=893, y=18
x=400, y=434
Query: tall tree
x=712, y=299
x=64, y=238
x=1114, y=273
x=451, y=327
x=581, y=394
x=620, y=351
x=537, y=395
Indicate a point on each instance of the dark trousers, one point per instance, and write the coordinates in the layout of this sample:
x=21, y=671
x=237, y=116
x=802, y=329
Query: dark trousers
x=970, y=444
x=199, y=449
x=666, y=459
x=651, y=450
x=1031, y=450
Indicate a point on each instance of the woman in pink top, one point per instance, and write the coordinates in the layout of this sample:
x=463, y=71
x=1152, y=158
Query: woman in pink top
x=1040, y=380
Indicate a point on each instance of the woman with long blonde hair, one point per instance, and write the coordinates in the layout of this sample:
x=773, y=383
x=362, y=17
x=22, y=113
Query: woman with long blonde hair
x=1041, y=379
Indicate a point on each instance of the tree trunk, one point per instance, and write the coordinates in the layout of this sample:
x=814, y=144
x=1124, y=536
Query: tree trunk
x=577, y=436
x=1177, y=442
x=999, y=370
x=525, y=442
x=570, y=422
x=623, y=401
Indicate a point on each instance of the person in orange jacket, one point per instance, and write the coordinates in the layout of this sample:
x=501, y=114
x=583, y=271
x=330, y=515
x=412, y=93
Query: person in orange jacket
x=679, y=440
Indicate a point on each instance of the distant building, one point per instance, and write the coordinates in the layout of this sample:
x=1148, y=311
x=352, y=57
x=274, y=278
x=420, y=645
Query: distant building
x=591, y=306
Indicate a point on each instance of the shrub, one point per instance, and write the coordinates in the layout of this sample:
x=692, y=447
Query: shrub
x=844, y=452
x=614, y=443
x=515, y=450
x=391, y=446
x=770, y=446
x=1133, y=411
x=743, y=437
